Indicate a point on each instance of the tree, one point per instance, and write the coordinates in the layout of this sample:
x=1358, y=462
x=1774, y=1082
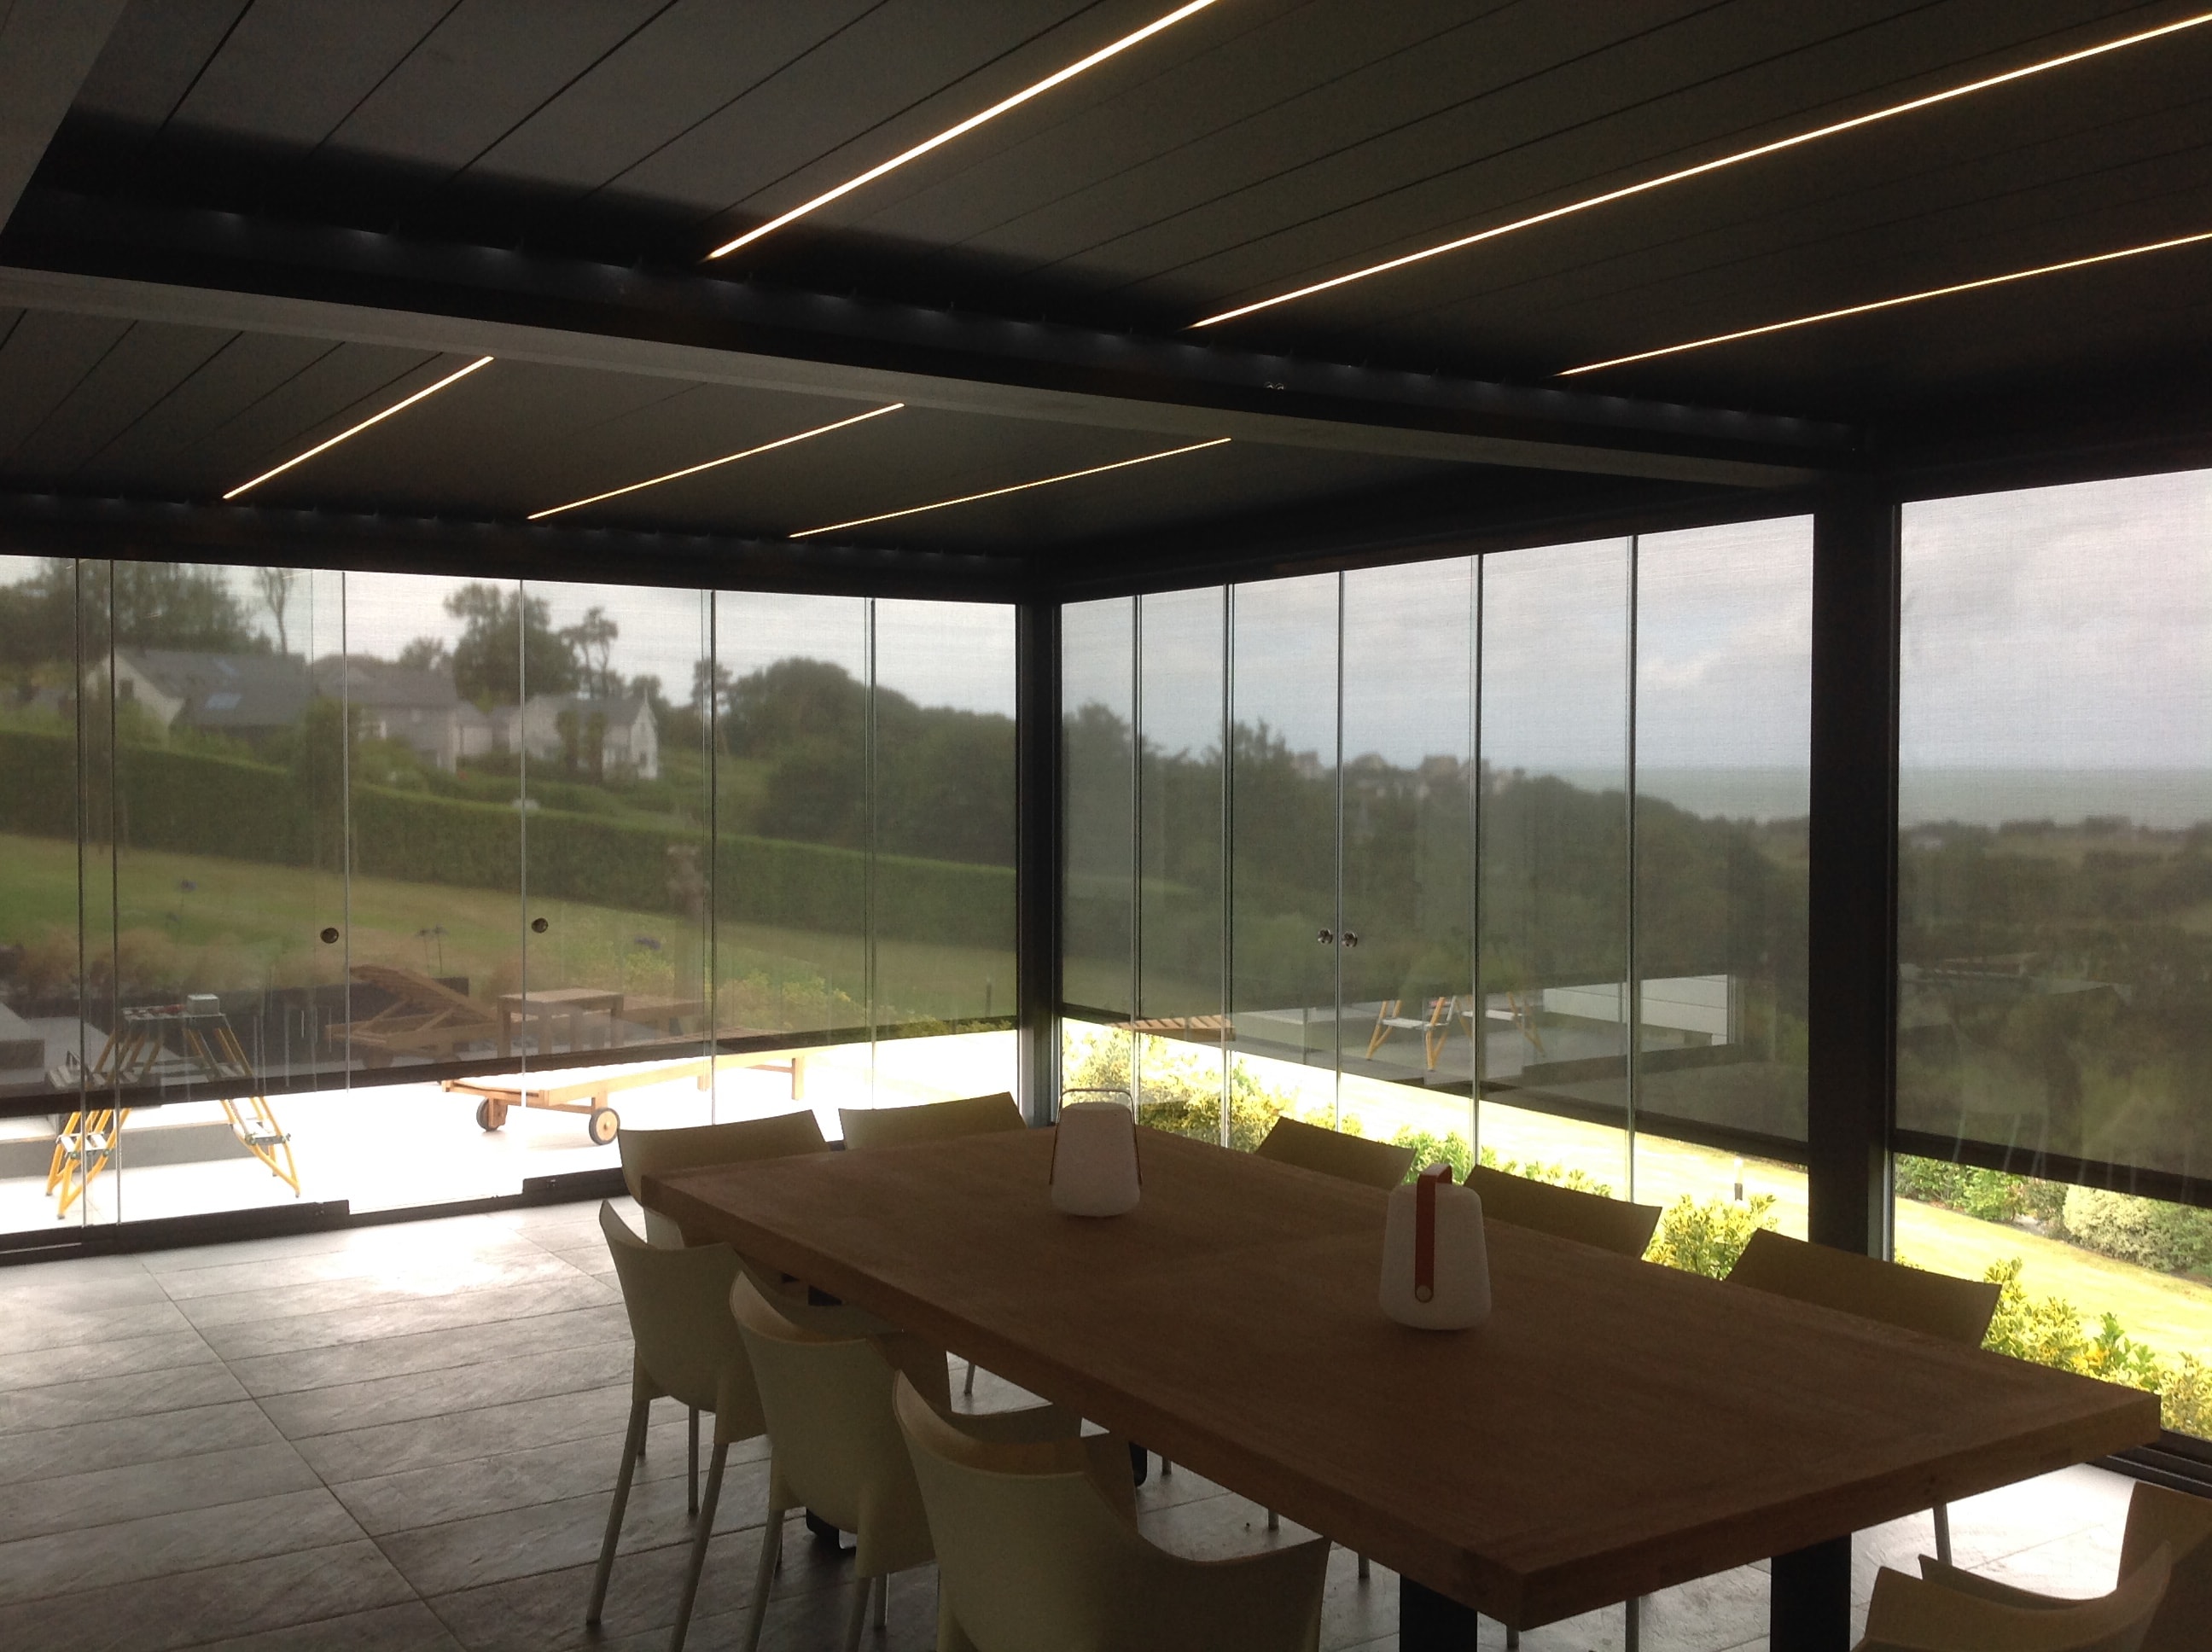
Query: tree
x=508, y=642
x=427, y=654
x=274, y=585
x=150, y=604
x=592, y=641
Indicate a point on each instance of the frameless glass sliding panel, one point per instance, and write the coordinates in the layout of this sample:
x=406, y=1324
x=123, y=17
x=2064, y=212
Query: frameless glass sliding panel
x=789, y=699
x=430, y=678
x=1552, y=989
x=227, y=794
x=1181, y=1076
x=943, y=930
x=616, y=874
x=1408, y=852
x=1286, y=936
x=56, y=928
x=2055, y=964
x=1098, y=754
x=1723, y=680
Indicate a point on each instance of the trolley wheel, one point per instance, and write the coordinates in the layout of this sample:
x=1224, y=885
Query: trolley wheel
x=490, y=1114
x=602, y=1124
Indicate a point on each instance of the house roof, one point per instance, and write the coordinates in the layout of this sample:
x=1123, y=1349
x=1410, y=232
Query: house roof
x=367, y=681
x=226, y=690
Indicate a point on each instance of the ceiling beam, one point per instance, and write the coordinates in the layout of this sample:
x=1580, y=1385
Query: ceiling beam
x=204, y=267
x=46, y=49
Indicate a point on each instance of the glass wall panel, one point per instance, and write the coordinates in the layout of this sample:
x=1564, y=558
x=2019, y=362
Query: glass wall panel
x=1285, y=933
x=944, y=809
x=1098, y=689
x=1181, y=642
x=1554, y=953
x=1723, y=677
x=1409, y=849
x=2055, y=974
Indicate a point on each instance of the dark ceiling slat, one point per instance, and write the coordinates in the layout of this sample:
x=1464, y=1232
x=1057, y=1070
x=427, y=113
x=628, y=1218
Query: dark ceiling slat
x=339, y=388
x=157, y=51
x=878, y=85
x=162, y=453
x=480, y=74
x=293, y=70
x=146, y=365
x=689, y=63
x=45, y=357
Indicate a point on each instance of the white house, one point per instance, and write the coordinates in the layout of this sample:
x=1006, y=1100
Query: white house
x=603, y=737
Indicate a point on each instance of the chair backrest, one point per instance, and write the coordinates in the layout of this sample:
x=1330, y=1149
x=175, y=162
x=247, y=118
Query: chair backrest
x=838, y=1450
x=1372, y=1164
x=1934, y=1304
x=898, y=1127
x=2182, y=1524
x=1029, y=1551
x=646, y=1152
x=678, y=1302
x=1611, y=1224
x=1909, y=1614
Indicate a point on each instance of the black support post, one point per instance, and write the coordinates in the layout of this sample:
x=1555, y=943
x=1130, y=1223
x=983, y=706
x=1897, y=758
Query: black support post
x=1851, y=917
x=1037, y=853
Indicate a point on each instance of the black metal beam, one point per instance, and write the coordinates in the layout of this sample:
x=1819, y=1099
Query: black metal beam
x=1037, y=865
x=1851, y=900
x=61, y=524
x=72, y=251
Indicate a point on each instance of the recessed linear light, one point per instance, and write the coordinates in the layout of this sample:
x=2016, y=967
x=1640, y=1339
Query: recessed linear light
x=1020, y=486
x=1703, y=168
x=967, y=126
x=374, y=418
x=726, y=459
x=1892, y=303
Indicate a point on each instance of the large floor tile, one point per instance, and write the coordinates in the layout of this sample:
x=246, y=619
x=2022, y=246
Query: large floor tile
x=156, y=1546
x=110, y=1397
x=192, y=1608
x=74, y=1361
x=412, y=1627
x=392, y=1448
x=58, y=1325
x=102, y=1497
x=91, y=1282
x=454, y=1389
x=428, y=1351
x=406, y=1315
x=429, y=1276
x=120, y=1441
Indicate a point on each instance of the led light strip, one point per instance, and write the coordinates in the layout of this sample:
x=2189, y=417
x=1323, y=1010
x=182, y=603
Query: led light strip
x=726, y=459
x=967, y=126
x=374, y=418
x=1703, y=168
x=1018, y=488
x=1892, y=303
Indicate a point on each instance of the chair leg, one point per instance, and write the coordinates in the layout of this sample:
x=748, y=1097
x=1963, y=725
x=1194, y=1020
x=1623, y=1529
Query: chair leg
x=968, y=1387
x=1632, y=1635
x=705, y=1530
x=1274, y=1521
x=1363, y=1568
x=856, y=1618
x=771, y=1557
x=883, y=1601
x=691, y=1505
x=1512, y=1639
x=1943, y=1533
x=641, y=1409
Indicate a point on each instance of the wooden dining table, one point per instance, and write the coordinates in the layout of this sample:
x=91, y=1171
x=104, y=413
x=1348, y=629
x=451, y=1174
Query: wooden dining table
x=1614, y=1428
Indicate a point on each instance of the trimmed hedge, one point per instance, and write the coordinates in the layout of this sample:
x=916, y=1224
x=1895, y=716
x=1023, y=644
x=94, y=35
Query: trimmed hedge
x=191, y=803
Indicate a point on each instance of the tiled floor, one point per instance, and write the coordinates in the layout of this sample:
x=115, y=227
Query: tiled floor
x=404, y=1437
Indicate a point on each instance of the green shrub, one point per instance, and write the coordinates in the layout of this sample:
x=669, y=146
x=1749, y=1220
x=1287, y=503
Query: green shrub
x=2048, y=1331
x=1991, y=1195
x=1452, y=1149
x=1707, y=1238
x=2172, y=1238
x=1181, y=1089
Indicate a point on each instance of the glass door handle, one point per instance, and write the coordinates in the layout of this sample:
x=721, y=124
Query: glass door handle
x=1326, y=937
x=1351, y=938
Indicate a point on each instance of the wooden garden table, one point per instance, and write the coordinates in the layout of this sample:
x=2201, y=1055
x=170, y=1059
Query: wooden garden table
x=1614, y=1429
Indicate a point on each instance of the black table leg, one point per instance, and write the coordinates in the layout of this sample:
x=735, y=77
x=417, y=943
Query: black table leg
x=1811, y=1611
x=1430, y=1622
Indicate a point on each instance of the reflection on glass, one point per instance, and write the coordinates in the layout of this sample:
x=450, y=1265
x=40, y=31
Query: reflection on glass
x=2055, y=813
x=1553, y=1021
x=1180, y=660
x=943, y=776
x=1097, y=675
x=1408, y=830
x=1723, y=668
x=1284, y=927
x=788, y=697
